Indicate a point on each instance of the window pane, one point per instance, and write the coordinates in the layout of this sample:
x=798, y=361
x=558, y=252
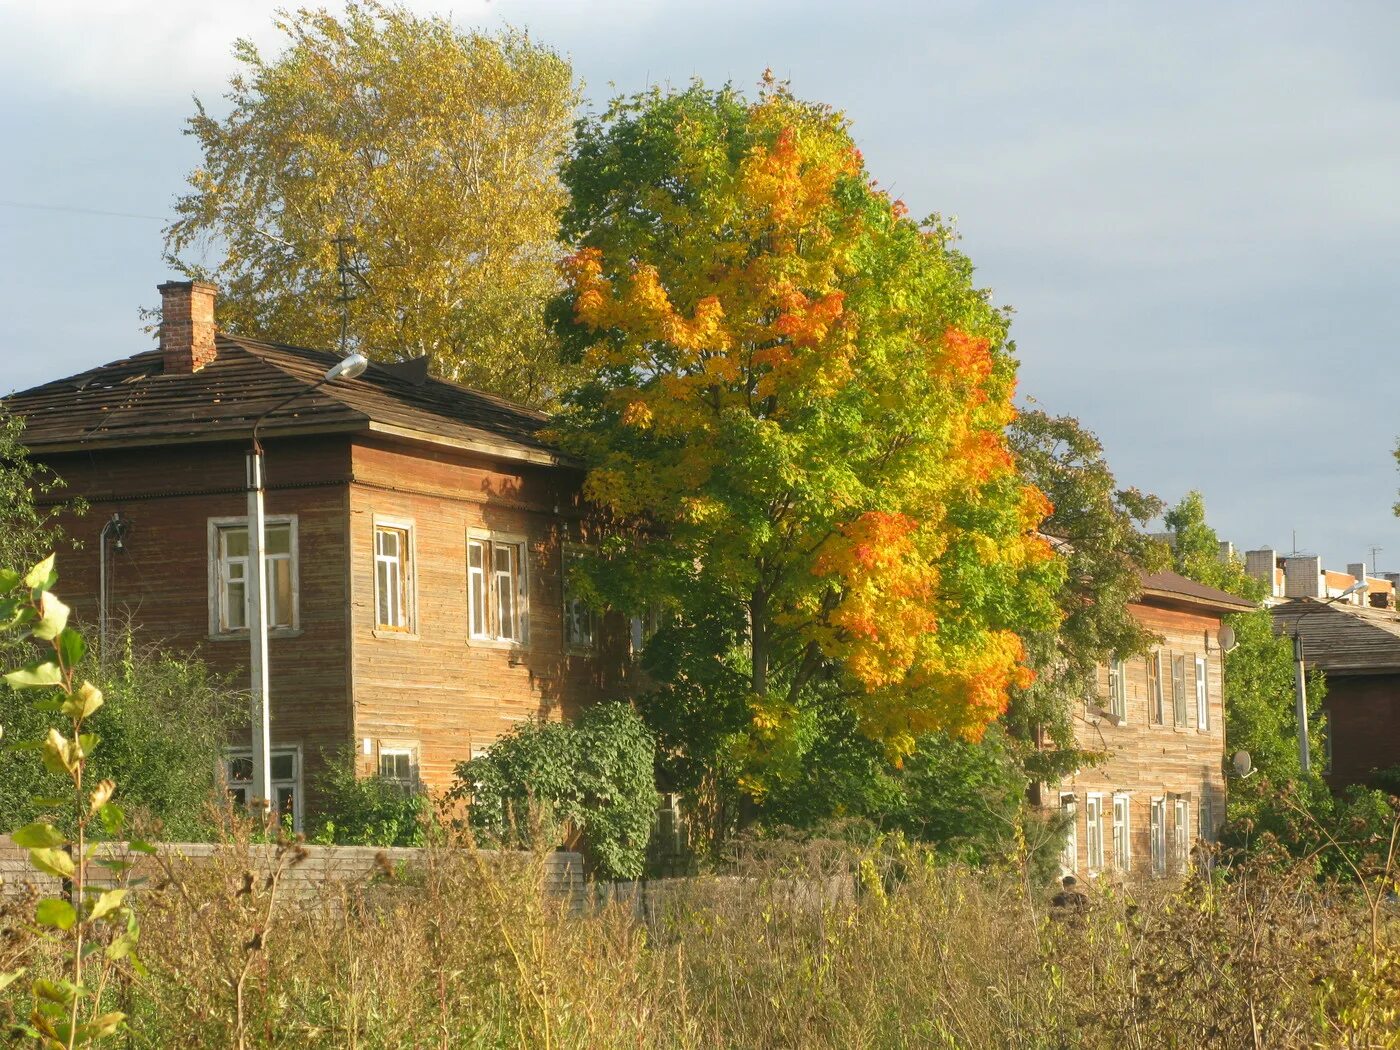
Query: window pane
x=283, y=766
x=279, y=539
x=478, y=604
x=501, y=556
x=386, y=542
x=240, y=769
x=286, y=800
x=279, y=592
x=236, y=542
x=237, y=606
x=474, y=554
x=505, y=606
x=239, y=796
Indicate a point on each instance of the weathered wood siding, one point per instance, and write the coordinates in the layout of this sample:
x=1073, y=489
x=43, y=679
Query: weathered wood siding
x=1148, y=760
x=160, y=583
x=435, y=690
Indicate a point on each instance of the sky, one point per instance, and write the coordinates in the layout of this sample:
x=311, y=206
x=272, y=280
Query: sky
x=1193, y=208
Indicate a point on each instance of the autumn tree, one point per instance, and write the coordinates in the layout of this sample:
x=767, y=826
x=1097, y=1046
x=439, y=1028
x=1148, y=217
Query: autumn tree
x=793, y=414
x=435, y=148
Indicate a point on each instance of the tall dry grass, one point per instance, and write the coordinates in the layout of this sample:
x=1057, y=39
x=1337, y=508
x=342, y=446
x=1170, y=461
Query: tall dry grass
x=803, y=947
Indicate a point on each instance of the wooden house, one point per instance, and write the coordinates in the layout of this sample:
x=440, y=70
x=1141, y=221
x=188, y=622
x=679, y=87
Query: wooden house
x=1159, y=718
x=1358, y=650
x=418, y=534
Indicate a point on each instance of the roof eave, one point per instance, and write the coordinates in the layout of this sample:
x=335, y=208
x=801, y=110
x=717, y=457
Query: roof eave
x=1197, y=602
x=482, y=442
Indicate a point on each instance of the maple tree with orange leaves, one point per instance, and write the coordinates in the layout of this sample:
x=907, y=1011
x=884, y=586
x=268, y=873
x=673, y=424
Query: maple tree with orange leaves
x=794, y=417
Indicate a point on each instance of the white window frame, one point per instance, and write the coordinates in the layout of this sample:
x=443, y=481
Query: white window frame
x=218, y=577
x=1179, y=715
x=1093, y=831
x=397, y=750
x=408, y=573
x=1118, y=689
x=488, y=633
x=1157, y=832
x=1069, y=855
x=1202, y=694
x=574, y=609
x=642, y=628
x=295, y=782
x=1181, y=832
x=1122, y=832
x=1156, y=703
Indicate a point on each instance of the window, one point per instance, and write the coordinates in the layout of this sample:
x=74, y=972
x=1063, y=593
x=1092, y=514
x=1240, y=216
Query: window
x=1093, y=831
x=286, y=780
x=579, y=620
x=1122, y=834
x=1203, y=816
x=1202, y=694
x=231, y=605
x=397, y=766
x=1178, y=690
x=1154, y=687
x=393, y=586
x=496, y=594
x=1069, y=856
x=643, y=628
x=1157, y=827
x=1117, y=689
x=1181, y=833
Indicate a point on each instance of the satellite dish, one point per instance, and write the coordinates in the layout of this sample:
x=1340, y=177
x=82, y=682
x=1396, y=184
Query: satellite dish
x=1226, y=637
x=1244, y=765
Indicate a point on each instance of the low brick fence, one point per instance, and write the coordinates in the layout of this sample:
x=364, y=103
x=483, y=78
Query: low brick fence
x=323, y=866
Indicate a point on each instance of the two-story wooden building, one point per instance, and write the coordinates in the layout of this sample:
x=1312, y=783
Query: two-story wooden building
x=417, y=539
x=1160, y=720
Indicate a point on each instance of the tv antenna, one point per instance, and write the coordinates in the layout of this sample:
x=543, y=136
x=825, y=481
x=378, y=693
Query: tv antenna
x=346, y=272
x=1374, y=552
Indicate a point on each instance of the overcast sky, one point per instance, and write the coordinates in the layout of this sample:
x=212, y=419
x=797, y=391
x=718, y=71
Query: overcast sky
x=1193, y=207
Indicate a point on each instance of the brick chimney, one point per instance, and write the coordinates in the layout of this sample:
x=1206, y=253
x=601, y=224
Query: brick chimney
x=187, y=325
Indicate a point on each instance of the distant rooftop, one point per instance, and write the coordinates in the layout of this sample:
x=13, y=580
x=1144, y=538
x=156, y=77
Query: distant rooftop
x=1340, y=638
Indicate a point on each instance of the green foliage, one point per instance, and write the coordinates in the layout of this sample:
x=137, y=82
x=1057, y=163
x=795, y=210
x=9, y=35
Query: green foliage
x=165, y=716
x=92, y=926
x=367, y=811
x=27, y=531
x=1099, y=528
x=594, y=775
x=1196, y=551
x=434, y=147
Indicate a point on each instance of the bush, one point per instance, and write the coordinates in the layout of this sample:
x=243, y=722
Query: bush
x=367, y=811
x=165, y=720
x=594, y=776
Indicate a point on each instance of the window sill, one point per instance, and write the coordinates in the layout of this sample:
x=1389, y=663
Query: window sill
x=402, y=636
x=244, y=636
x=496, y=643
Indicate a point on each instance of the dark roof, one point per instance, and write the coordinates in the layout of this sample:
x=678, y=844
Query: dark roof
x=134, y=402
x=1174, y=587
x=1341, y=638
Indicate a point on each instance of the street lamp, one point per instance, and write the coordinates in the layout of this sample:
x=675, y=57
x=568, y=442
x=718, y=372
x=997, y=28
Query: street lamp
x=350, y=367
x=1300, y=677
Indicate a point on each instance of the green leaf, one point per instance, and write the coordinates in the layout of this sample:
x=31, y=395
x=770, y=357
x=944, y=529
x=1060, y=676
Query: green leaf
x=39, y=575
x=141, y=846
x=35, y=676
x=9, y=580
x=84, y=701
x=53, y=618
x=11, y=977
x=113, y=818
x=71, y=648
x=100, y=1027
x=56, y=912
x=61, y=992
x=106, y=904
x=88, y=742
x=47, y=801
x=39, y=836
x=52, y=861
x=58, y=753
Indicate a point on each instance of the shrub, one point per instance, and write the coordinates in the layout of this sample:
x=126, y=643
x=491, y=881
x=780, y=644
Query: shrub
x=367, y=811
x=165, y=718
x=594, y=776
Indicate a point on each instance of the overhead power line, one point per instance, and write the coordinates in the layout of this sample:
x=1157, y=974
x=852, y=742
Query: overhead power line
x=29, y=206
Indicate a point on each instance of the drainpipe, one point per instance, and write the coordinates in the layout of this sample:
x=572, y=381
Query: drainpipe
x=114, y=528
